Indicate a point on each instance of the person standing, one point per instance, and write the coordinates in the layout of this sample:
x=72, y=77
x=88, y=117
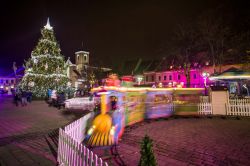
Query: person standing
x=24, y=98
x=16, y=98
x=29, y=96
x=54, y=97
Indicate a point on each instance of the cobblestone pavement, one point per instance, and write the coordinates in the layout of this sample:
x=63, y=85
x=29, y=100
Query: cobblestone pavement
x=190, y=141
x=28, y=135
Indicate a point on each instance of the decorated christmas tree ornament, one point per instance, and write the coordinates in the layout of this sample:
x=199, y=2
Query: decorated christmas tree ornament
x=35, y=60
x=46, y=66
x=31, y=84
x=58, y=69
x=29, y=69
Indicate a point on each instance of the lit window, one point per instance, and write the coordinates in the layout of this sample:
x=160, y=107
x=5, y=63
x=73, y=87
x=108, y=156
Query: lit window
x=179, y=77
x=78, y=58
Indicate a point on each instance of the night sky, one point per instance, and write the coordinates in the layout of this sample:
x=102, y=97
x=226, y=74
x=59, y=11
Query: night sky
x=111, y=30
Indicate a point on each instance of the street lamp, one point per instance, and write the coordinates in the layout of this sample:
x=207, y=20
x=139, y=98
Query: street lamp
x=205, y=75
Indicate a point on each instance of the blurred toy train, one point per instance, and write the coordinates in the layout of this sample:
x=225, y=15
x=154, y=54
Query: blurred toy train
x=122, y=107
x=146, y=103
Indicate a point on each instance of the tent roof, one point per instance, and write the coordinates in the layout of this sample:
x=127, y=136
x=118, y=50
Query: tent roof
x=232, y=74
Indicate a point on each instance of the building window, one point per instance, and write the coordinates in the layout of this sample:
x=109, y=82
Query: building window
x=194, y=76
x=179, y=77
x=159, y=78
x=85, y=58
x=146, y=78
x=152, y=78
x=165, y=77
x=7, y=81
x=170, y=77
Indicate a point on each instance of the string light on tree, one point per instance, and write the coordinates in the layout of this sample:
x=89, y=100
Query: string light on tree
x=46, y=66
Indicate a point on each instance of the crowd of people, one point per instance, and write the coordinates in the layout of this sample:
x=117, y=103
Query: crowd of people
x=22, y=97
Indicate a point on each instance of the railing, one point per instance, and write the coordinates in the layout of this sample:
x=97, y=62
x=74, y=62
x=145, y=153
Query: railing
x=238, y=109
x=204, y=99
x=77, y=128
x=205, y=109
x=239, y=101
x=71, y=151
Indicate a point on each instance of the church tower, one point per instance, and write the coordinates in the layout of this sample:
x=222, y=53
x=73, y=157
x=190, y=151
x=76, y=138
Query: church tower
x=82, y=59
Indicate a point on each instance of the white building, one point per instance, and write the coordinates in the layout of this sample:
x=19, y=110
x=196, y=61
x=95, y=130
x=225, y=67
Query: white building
x=7, y=83
x=75, y=72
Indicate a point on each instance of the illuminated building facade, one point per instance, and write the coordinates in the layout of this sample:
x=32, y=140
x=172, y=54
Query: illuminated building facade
x=7, y=83
x=199, y=77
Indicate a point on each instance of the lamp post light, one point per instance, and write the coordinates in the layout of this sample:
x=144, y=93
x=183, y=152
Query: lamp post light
x=205, y=75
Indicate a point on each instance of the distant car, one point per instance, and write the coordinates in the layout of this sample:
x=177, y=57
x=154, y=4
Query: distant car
x=83, y=103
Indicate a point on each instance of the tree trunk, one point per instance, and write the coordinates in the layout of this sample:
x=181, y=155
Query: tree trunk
x=212, y=55
x=188, y=80
x=187, y=73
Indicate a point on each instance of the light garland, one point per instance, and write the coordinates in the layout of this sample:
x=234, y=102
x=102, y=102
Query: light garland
x=44, y=75
x=48, y=41
x=45, y=56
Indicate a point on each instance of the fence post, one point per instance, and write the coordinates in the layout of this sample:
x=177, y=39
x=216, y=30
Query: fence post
x=59, y=148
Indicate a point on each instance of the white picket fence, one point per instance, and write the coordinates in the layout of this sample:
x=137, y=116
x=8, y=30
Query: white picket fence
x=239, y=101
x=71, y=151
x=238, y=109
x=205, y=109
x=77, y=128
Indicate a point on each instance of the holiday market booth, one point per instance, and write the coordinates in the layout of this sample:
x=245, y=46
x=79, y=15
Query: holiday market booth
x=237, y=82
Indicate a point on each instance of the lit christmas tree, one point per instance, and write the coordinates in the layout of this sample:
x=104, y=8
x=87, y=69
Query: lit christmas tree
x=46, y=69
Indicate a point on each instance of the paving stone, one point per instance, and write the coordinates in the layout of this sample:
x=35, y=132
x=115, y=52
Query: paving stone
x=193, y=141
x=23, y=129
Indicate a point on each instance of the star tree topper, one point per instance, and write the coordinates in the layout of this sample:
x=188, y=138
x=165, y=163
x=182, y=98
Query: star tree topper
x=47, y=26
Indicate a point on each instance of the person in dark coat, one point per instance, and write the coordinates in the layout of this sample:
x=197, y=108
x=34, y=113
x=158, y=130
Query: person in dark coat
x=24, y=98
x=16, y=99
x=60, y=100
x=29, y=97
